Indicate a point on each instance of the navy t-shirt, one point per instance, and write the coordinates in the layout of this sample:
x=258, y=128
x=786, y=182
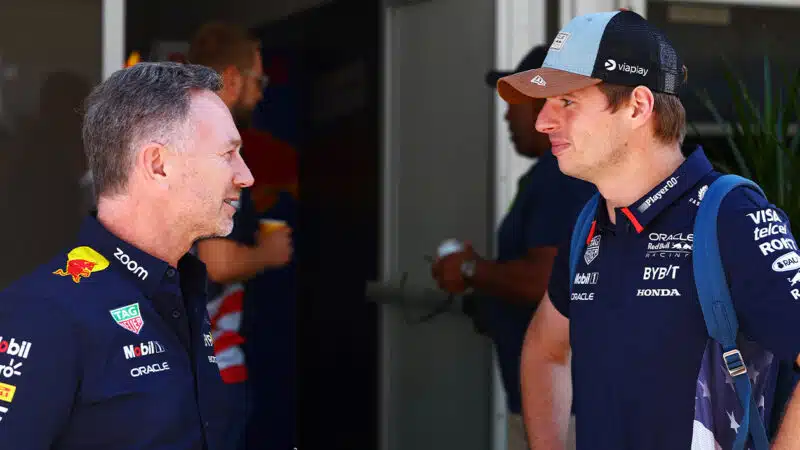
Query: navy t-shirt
x=545, y=206
x=645, y=373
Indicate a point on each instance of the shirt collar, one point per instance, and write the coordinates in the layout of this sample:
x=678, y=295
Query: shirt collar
x=143, y=269
x=647, y=208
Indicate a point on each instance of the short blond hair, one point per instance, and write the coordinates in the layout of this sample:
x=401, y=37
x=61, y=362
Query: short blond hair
x=670, y=115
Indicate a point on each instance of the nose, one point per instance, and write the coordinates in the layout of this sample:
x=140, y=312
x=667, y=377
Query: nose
x=547, y=121
x=242, y=176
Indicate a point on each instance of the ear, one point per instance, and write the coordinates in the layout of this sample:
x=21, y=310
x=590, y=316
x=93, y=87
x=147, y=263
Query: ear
x=231, y=82
x=642, y=102
x=152, y=163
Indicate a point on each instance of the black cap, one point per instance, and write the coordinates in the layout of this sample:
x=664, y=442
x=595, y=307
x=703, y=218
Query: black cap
x=533, y=60
x=619, y=47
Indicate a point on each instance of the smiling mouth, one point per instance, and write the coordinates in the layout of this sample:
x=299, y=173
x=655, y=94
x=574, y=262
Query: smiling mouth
x=233, y=203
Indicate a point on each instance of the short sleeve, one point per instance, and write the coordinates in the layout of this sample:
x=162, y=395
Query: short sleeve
x=39, y=372
x=558, y=287
x=762, y=265
x=549, y=224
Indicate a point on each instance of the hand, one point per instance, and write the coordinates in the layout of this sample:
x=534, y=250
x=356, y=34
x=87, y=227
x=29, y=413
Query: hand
x=447, y=271
x=275, y=247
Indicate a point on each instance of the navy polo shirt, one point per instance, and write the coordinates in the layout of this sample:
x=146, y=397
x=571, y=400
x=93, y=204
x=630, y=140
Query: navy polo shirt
x=645, y=373
x=547, y=202
x=108, y=347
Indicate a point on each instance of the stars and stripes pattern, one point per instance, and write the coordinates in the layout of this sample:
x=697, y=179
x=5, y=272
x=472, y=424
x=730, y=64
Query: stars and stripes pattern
x=225, y=311
x=718, y=414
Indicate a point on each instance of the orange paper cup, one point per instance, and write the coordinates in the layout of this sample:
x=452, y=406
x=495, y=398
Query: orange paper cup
x=270, y=225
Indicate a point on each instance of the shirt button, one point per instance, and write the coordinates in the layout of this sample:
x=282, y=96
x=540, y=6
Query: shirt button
x=176, y=314
x=170, y=272
x=206, y=424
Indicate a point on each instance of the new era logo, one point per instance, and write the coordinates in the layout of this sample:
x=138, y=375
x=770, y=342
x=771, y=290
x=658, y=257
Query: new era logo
x=539, y=80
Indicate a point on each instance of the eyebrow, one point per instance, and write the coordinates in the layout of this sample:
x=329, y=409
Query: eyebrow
x=235, y=143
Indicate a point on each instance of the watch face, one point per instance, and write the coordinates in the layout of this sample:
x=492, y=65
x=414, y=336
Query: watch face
x=468, y=268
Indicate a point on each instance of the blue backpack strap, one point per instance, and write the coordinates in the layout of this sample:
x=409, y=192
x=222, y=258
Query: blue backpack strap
x=717, y=306
x=579, y=234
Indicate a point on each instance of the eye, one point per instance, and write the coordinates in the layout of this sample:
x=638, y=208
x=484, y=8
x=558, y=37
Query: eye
x=229, y=155
x=566, y=102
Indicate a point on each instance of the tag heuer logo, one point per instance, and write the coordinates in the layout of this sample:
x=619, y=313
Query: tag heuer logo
x=128, y=317
x=592, y=250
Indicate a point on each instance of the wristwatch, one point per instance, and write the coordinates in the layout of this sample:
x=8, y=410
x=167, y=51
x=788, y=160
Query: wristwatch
x=468, y=269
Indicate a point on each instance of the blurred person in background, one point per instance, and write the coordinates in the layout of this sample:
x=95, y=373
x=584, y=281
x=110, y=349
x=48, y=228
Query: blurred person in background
x=509, y=288
x=237, y=263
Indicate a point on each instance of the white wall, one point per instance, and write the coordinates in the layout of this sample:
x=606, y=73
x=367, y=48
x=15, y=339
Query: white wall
x=51, y=55
x=436, y=377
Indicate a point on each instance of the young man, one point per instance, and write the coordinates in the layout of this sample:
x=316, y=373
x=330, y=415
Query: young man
x=646, y=375
x=109, y=344
x=510, y=287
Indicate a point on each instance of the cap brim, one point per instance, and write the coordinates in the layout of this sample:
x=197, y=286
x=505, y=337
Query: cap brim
x=493, y=76
x=520, y=87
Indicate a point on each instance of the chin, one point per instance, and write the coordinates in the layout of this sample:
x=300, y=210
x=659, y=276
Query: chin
x=221, y=229
x=225, y=228
x=572, y=170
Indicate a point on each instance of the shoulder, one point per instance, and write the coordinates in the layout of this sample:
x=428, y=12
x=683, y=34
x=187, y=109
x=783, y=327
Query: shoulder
x=60, y=288
x=751, y=226
x=747, y=206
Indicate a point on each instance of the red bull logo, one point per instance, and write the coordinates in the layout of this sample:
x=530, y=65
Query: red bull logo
x=81, y=263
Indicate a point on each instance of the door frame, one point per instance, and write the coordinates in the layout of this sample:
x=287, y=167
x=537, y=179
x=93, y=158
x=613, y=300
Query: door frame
x=113, y=36
x=519, y=25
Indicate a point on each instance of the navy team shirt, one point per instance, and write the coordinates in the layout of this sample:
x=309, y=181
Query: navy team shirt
x=645, y=373
x=108, y=347
x=547, y=202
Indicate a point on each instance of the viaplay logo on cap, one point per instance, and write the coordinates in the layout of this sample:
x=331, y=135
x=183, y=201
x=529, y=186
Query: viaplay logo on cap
x=128, y=317
x=612, y=65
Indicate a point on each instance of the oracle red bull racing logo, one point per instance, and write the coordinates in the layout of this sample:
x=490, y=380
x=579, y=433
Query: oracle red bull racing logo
x=81, y=263
x=128, y=317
